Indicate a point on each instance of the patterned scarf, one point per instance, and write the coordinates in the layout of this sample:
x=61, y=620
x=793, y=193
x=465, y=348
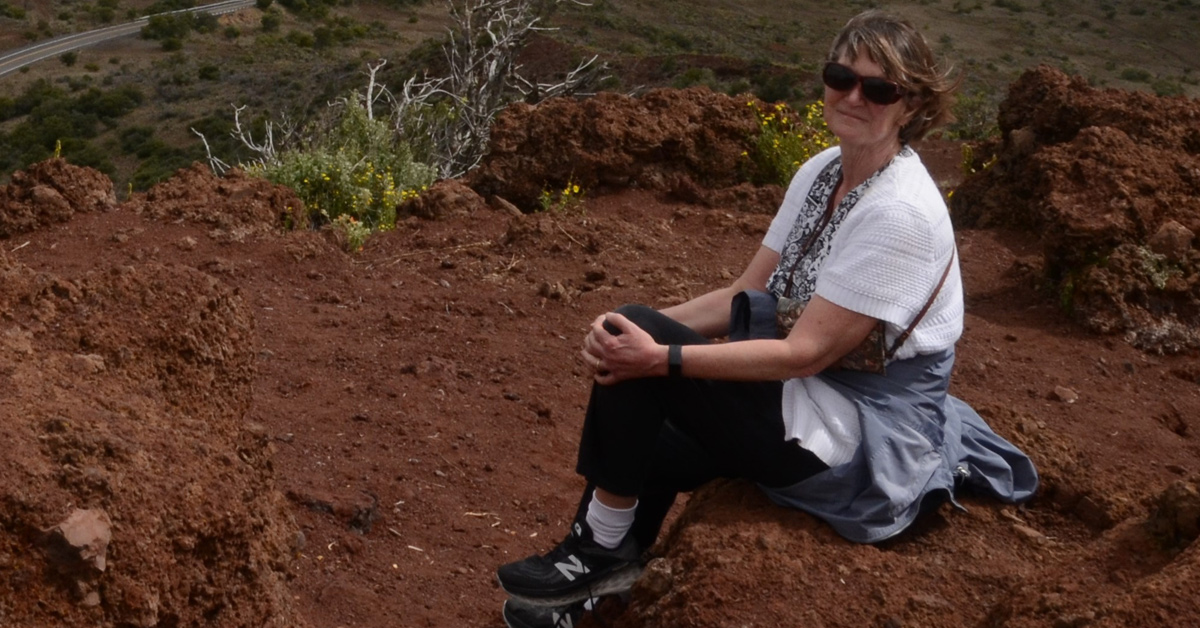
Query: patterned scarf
x=803, y=272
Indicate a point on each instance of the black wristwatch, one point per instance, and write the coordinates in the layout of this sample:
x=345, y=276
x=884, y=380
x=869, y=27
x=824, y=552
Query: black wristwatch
x=674, y=361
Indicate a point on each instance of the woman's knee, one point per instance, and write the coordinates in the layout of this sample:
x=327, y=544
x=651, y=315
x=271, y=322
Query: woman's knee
x=661, y=327
x=641, y=315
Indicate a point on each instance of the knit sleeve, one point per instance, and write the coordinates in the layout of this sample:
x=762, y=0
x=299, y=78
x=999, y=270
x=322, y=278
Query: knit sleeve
x=883, y=262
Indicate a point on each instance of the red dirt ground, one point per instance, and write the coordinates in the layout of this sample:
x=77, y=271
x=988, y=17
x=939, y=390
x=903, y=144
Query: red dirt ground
x=277, y=432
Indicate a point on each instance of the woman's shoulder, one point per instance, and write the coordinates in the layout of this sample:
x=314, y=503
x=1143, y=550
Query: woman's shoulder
x=810, y=169
x=907, y=186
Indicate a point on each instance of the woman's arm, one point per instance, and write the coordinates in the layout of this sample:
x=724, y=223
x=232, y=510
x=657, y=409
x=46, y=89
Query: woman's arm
x=824, y=333
x=708, y=313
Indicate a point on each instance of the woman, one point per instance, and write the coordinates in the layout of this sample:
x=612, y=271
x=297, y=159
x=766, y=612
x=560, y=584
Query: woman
x=862, y=237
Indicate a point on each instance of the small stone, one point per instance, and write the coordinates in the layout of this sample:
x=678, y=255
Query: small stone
x=552, y=291
x=81, y=540
x=187, y=243
x=506, y=207
x=88, y=364
x=657, y=579
x=1172, y=240
x=1064, y=394
x=1029, y=533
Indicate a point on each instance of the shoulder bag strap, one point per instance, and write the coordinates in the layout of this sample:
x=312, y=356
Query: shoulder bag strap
x=826, y=217
x=907, y=332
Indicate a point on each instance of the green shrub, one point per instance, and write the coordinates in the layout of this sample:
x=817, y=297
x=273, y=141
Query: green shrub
x=15, y=13
x=353, y=233
x=1136, y=75
x=209, y=72
x=53, y=114
x=356, y=168
x=786, y=139
x=300, y=39
x=695, y=76
x=1167, y=87
x=308, y=9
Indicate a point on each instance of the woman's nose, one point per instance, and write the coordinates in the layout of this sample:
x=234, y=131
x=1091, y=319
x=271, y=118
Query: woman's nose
x=855, y=94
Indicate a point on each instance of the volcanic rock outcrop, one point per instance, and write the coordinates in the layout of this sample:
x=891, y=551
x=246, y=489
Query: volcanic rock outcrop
x=1111, y=182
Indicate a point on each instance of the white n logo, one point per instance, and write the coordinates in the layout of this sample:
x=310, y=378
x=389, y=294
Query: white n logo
x=562, y=621
x=570, y=569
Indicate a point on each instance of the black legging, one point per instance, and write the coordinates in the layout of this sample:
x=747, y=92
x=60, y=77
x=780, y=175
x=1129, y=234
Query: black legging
x=655, y=437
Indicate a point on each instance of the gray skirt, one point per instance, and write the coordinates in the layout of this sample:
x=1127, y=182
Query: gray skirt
x=919, y=445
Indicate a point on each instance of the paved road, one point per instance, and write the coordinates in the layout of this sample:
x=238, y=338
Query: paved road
x=16, y=59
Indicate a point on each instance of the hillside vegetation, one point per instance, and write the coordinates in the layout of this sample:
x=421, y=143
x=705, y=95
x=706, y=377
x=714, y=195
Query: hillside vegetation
x=127, y=107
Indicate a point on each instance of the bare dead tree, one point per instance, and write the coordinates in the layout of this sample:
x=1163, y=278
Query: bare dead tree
x=375, y=90
x=448, y=119
x=267, y=148
x=214, y=163
x=483, y=78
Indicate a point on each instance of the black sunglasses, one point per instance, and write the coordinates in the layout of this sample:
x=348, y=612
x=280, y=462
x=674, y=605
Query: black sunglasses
x=877, y=90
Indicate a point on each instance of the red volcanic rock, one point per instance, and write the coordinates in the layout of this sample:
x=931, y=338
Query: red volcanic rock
x=612, y=141
x=1098, y=176
x=51, y=191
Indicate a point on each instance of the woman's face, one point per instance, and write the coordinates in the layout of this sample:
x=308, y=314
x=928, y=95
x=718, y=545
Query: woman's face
x=858, y=122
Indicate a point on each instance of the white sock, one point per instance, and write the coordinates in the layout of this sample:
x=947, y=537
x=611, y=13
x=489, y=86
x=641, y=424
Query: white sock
x=609, y=525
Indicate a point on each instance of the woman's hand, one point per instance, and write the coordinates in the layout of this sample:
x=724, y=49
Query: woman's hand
x=627, y=354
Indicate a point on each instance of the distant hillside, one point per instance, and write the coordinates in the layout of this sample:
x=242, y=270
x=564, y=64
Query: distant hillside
x=294, y=63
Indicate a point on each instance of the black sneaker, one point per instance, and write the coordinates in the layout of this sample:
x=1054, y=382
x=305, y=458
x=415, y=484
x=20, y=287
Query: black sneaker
x=518, y=615
x=578, y=569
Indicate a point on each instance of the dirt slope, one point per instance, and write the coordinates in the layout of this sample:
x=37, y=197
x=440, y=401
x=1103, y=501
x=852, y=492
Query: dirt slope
x=280, y=433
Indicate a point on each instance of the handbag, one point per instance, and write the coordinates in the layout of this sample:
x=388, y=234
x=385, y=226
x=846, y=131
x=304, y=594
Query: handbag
x=870, y=355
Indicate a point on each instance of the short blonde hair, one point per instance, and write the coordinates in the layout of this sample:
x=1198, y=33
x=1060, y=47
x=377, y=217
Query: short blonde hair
x=907, y=59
